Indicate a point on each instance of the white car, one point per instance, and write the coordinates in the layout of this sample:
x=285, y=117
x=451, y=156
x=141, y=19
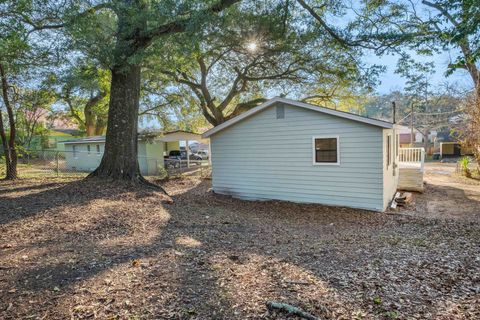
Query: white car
x=202, y=154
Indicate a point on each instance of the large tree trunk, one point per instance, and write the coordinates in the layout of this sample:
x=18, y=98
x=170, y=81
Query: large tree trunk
x=8, y=144
x=120, y=157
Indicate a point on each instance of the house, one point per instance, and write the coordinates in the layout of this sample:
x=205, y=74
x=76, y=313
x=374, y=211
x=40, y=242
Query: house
x=293, y=151
x=52, y=139
x=452, y=149
x=406, y=138
x=448, y=144
x=85, y=154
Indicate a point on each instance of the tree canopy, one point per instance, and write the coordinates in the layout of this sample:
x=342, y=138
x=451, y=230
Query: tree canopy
x=190, y=63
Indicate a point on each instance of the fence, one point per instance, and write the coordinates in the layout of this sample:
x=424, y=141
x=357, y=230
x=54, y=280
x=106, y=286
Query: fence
x=41, y=163
x=411, y=157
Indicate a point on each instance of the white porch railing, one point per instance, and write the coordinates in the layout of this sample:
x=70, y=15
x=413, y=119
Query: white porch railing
x=411, y=158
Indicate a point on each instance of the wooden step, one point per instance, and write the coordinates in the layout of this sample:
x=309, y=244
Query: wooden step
x=410, y=180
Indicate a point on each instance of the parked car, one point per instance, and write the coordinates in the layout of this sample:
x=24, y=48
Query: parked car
x=202, y=154
x=177, y=159
x=182, y=155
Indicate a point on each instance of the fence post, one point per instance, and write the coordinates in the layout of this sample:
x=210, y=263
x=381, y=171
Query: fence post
x=422, y=160
x=56, y=160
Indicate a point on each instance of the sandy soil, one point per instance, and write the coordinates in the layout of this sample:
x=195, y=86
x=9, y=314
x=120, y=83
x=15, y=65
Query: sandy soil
x=71, y=249
x=447, y=195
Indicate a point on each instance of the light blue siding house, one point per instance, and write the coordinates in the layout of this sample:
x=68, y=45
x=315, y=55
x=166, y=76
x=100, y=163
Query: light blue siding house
x=293, y=151
x=85, y=154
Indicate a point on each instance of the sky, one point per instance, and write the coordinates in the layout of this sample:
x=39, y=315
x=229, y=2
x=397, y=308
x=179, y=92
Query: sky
x=390, y=81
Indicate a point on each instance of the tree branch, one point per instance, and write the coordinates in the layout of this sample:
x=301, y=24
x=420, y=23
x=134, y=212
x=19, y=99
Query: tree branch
x=245, y=106
x=325, y=26
x=180, y=25
x=38, y=27
x=442, y=11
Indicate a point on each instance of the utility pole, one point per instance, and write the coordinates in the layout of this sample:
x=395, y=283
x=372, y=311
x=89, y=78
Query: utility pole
x=394, y=107
x=411, y=127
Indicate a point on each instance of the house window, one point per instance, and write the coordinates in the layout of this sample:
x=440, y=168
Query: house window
x=98, y=149
x=326, y=150
x=74, y=149
x=389, y=150
x=280, y=112
x=88, y=148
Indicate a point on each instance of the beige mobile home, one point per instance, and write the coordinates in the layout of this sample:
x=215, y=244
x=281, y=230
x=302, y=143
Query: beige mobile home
x=293, y=151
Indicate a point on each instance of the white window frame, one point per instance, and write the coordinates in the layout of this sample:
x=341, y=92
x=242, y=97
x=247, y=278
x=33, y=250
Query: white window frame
x=88, y=149
x=98, y=150
x=325, y=163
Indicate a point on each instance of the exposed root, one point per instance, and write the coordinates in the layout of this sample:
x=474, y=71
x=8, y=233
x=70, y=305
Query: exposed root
x=152, y=185
x=136, y=180
x=289, y=310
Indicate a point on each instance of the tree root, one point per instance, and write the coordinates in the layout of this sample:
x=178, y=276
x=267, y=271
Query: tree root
x=135, y=180
x=152, y=185
x=289, y=310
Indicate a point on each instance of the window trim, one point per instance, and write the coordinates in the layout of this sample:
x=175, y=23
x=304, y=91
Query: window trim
x=315, y=163
x=98, y=151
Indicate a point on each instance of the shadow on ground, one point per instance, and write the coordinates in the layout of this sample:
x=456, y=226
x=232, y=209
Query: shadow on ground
x=87, y=250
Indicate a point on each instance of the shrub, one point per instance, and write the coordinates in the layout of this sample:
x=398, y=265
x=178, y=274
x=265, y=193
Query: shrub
x=464, y=163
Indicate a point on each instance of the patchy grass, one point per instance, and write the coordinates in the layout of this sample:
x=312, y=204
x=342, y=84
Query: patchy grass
x=72, y=249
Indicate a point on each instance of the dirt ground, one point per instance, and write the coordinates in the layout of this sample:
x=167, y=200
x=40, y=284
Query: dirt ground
x=75, y=249
x=447, y=195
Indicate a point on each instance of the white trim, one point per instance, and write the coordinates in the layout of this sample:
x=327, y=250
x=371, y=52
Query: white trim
x=389, y=150
x=314, y=162
x=346, y=115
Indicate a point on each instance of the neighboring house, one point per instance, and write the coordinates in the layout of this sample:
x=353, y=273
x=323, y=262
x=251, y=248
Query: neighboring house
x=53, y=139
x=405, y=136
x=448, y=145
x=453, y=149
x=60, y=129
x=85, y=154
x=293, y=151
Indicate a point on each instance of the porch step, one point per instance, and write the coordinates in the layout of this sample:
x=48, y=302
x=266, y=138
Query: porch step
x=410, y=179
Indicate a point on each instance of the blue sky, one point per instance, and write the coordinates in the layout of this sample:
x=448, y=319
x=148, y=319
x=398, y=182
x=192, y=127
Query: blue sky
x=390, y=81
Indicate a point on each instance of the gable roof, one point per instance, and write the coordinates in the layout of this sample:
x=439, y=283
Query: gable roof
x=337, y=113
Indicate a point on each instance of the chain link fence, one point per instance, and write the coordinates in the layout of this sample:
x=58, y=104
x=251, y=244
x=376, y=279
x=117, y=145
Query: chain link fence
x=55, y=163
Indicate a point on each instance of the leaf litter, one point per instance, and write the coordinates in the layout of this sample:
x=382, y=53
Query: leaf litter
x=77, y=249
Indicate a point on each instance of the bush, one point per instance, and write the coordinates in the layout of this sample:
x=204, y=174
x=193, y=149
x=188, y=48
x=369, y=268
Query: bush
x=162, y=172
x=464, y=165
